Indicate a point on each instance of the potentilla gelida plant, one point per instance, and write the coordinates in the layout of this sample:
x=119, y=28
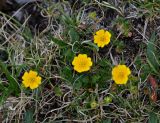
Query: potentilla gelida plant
x=80, y=61
x=83, y=63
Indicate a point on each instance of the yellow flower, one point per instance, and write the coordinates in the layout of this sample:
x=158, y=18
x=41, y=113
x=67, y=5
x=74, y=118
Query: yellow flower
x=30, y=79
x=82, y=63
x=102, y=38
x=120, y=74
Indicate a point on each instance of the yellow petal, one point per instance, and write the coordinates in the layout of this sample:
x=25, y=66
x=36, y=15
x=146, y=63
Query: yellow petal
x=102, y=45
x=122, y=80
x=34, y=85
x=32, y=73
x=96, y=39
x=90, y=62
x=82, y=56
x=100, y=32
x=38, y=80
x=108, y=34
x=26, y=83
x=25, y=76
x=74, y=62
x=78, y=69
x=128, y=71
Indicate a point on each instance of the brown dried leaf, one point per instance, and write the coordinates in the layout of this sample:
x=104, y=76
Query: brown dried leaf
x=152, y=81
x=154, y=85
x=153, y=96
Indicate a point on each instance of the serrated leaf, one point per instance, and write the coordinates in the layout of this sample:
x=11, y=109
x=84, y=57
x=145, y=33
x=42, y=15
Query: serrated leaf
x=95, y=78
x=78, y=81
x=66, y=73
x=58, y=42
x=74, y=36
x=69, y=55
x=92, y=45
x=78, y=85
x=104, y=63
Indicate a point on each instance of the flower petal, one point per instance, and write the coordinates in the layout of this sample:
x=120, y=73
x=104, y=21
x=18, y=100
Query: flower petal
x=26, y=83
x=100, y=32
x=108, y=34
x=38, y=80
x=33, y=73
x=25, y=76
x=122, y=80
x=74, y=62
x=34, y=85
x=96, y=39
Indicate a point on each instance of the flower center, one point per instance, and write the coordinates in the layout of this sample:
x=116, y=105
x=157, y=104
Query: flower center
x=121, y=75
x=82, y=64
x=102, y=38
x=32, y=79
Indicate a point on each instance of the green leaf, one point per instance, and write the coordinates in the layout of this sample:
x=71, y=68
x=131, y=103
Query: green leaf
x=74, y=36
x=58, y=91
x=68, y=21
x=77, y=85
x=69, y=55
x=66, y=73
x=95, y=78
x=13, y=84
x=28, y=116
x=152, y=58
x=27, y=34
x=58, y=42
x=5, y=93
x=106, y=121
x=92, y=45
x=153, y=118
x=104, y=63
x=78, y=81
